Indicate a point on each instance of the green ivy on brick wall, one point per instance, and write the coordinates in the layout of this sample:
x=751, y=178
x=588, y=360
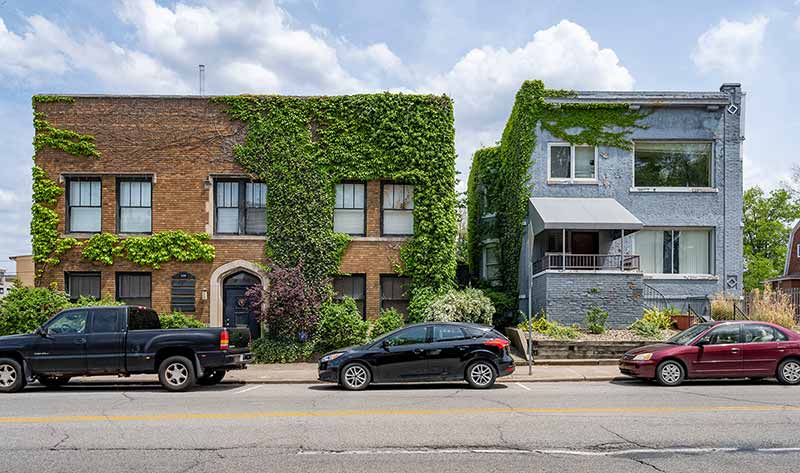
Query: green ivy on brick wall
x=507, y=181
x=301, y=146
x=151, y=251
x=480, y=201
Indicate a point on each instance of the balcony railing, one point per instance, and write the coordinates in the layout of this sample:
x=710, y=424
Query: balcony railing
x=586, y=262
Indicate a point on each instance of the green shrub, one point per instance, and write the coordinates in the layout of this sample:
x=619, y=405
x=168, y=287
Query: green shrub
x=340, y=326
x=506, y=308
x=596, y=320
x=281, y=350
x=421, y=299
x=467, y=305
x=85, y=301
x=24, y=309
x=550, y=328
x=179, y=320
x=652, y=324
x=389, y=320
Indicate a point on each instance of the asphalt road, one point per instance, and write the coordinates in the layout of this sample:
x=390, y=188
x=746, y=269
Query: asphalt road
x=619, y=427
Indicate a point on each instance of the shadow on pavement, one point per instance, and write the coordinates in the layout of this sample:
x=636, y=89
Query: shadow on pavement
x=642, y=383
x=95, y=387
x=405, y=387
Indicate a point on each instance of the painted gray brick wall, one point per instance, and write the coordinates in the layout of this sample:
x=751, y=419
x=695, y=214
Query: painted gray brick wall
x=569, y=295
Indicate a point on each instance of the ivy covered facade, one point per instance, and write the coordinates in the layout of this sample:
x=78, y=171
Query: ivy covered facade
x=617, y=200
x=181, y=203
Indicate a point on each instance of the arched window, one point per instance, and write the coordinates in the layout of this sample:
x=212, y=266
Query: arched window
x=183, y=292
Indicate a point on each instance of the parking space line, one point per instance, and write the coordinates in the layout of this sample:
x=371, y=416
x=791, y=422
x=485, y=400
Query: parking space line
x=252, y=388
x=523, y=386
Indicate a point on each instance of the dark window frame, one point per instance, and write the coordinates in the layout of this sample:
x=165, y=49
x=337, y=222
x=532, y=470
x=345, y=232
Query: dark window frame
x=385, y=277
x=711, y=162
x=120, y=180
x=180, y=306
x=383, y=210
x=119, y=275
x=363, y=209
x=67, y=282
x=363, y=278
x=69, y=206
x=242, y=206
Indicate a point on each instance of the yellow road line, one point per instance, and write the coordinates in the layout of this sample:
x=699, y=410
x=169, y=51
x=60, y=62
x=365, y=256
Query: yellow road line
x=370, y=412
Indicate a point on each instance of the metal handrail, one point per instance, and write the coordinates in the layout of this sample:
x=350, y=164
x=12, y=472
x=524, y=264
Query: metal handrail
x=590, y=262
x=658, y=301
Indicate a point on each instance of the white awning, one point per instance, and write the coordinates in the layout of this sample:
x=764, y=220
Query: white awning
x=578, y=213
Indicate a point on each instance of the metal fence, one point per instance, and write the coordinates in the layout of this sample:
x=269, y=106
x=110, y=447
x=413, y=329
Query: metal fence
x=793, y=295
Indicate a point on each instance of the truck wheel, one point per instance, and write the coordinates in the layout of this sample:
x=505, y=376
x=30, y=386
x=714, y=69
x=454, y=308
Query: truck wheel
x=53, y=381
x=12, y=378
x=211, y=378
x=176, y=373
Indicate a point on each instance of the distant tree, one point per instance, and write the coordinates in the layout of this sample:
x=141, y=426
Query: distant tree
x=793, y=184
x=767, y=223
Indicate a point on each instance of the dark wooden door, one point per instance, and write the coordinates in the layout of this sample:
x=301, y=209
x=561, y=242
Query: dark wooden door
x=585, y=243
x=236, y=311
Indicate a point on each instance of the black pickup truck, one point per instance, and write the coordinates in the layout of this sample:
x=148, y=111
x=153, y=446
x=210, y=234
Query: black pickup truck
x=124, y=340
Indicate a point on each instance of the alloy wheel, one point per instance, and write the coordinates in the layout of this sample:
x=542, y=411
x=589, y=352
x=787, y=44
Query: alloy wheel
x=8, y=375
x=355, y=376
x=671, y=373
x=176, y=374
x=791, y=371
x=481, y=374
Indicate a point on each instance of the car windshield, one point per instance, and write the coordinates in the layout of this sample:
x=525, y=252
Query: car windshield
x=689, y=334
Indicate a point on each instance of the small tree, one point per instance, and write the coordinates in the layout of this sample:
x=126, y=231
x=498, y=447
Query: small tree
x=24, y=309
x=340, y=325
x=596, y=320
x=467, y=305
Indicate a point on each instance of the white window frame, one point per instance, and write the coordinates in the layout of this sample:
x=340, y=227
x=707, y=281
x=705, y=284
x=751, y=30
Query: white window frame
x=798, y=250
x=712, y=254
x=712, y=171
x=572, y=178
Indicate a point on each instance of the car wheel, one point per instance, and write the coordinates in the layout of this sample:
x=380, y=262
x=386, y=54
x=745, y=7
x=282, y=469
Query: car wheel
x=481, y=375
x=211, y=378
x=176, y=373
x=670, y=373
x=355, y=377
x=12, y=377
x=789, y=372
x=53, y=381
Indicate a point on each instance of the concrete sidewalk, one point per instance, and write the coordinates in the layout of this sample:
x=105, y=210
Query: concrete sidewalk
x=305, y=373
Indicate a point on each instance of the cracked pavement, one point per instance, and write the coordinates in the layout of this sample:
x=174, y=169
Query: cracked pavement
x=620, y=426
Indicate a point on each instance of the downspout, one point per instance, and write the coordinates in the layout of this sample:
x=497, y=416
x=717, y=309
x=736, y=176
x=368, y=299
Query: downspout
x=724, y=199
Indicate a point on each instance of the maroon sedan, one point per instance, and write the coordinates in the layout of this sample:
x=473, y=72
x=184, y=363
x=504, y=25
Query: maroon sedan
x=733, y=349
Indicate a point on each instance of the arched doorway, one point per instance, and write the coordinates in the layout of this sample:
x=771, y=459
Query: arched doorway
x=236, y=312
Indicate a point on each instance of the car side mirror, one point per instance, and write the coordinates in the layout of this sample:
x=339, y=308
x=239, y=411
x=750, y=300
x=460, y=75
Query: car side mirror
x=701, y=343
x=41, y=332
x=386, y=344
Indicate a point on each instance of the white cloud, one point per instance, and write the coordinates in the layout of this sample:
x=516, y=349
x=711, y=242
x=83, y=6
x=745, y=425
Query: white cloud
x=797, y=23
x=731, y=47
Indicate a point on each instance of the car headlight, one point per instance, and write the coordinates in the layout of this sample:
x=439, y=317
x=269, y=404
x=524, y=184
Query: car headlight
x=330, y=357
x=642, y=357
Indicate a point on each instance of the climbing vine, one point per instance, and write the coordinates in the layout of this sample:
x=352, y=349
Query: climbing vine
x=508, y=183
x=480, y=203
x=301, y=147
x=152, y=251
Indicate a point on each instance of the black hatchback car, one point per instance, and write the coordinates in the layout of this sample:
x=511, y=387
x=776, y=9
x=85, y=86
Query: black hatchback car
x=422, y=353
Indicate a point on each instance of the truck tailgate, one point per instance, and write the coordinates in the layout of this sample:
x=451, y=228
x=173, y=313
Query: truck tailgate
x=239, y=339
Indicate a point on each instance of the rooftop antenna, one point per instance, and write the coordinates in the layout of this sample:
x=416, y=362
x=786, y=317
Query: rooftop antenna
x=202, y=78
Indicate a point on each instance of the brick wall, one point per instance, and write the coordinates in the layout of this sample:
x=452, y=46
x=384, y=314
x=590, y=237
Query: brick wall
x=182, y=144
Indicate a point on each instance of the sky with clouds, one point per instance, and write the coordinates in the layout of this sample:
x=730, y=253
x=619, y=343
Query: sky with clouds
x=475, y=51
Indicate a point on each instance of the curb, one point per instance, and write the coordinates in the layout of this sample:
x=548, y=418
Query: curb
x=315, y=381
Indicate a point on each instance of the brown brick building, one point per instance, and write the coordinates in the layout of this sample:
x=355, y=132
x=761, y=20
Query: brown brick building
x=790, y=279
x=167, y=164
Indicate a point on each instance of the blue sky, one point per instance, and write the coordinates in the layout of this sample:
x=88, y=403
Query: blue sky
x=478, y=52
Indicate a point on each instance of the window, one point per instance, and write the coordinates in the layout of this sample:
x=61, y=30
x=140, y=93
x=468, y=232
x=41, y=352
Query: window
x=106, y=320
x=69, y=323
x=446, y=333
x=183, y=292
x=143, y=319
x=757, y=333
x=798, y=250
x=675, y=251
x=352, y=286
x=83, y=210
x=398, y=209
x=240, y=207
x=394, y=293
x=82, y=285
x=134, y=289
x=349, y=215
x=491, y=263
x=671, y=164
x=410, y=336
x=572, y=162
x=723, y=335
x=134, y=197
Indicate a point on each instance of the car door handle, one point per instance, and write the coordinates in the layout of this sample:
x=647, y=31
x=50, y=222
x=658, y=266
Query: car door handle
x=418, y=351
x=80, y=341
x=462, y=347
x=734, y=350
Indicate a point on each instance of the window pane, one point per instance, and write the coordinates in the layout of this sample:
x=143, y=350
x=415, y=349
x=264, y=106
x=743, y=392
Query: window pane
x=411, y=336
x=134, y=220
x=650, y=247
x=145, y=190
x=667, y=252
x=84, y=219
x=443, y=333
x=124, y=194
x=105, y=320
x=228, y=220
x=584, y=162
x=693, y=252
x=256, y=221
x=134, y=289
x=672, y=164
x=83, y=285
x=358, y=196
x=256, y=194
x=71, y=322
x=398, y=222
x=723, y=335
x=95, y=188
x=348, y=221
x=560, y=162
x=347, y=191
x=86, y=192
x=388, y=196
x=408, y=197
x=75, y=192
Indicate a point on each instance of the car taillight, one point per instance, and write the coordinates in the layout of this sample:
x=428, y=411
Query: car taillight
x=224, y=340
x=497, y=342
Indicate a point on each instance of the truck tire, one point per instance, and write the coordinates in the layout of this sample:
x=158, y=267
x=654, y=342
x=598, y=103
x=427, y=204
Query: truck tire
x=53, y=381
x=12, y=376
x=210, y=378
x=176, y=374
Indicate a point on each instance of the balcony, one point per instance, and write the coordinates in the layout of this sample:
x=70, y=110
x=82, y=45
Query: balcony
x=580, y=262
